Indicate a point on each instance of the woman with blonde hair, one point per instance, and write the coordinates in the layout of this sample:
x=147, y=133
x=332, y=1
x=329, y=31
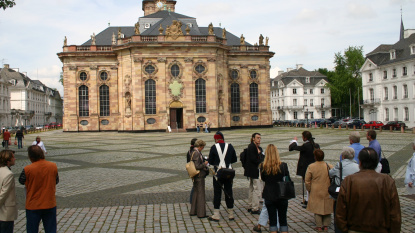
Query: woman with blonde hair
x=273, y=171
x=198, y=199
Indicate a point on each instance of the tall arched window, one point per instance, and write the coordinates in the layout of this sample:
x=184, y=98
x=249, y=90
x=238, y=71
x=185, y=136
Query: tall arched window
x=200, y=96
x=104, y=100
x=253, y=94
x=83, y=101
x=235, y=98
x=150, y=86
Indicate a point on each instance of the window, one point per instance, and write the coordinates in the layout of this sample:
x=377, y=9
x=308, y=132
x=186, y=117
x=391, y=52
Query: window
x=370, y=77
x=150, y=69
x=322, y=91
x=294, y=102
x=175, y=70
x=294, y=91
x=406, y=110
x=396, y=114
x=253, y=94
x=386, y=114
x=83, y=101
x=305, y=91
x=307, y=79
x=322, y=102
x=295, y=115
x=200, y=96
x=323, y=114
x=392, y=54
x=305, y=102
x=104, y=76
x=404, y=71
x=235, y=98
x=371, y=95
x=413, y=49
x=386, y=94
x=311, y=115
x=282, y=92
x=200, y=69
x=394, y=73
x=395, y=92
x=253, y=74
x=150, y=96
x=405, y=91
x=385, y=74
x=83, y=76
x=234, y=74
x=311, y=102
x=311, y=91
x=104, y=100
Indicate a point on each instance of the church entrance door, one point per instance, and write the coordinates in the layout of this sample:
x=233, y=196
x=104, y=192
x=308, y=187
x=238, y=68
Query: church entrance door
x=176, y=118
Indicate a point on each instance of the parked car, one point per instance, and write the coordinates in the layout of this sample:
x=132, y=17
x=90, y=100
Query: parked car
x=356, y=122
x=325, y=122
x=46, y=126
x=29, y=127
x=395, y=125
x=52, y=125
x=39, y=126
x=59, y=125
x=374, y=124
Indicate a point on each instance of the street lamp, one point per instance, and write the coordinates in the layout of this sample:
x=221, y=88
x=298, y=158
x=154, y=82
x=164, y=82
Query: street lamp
x=306, y=116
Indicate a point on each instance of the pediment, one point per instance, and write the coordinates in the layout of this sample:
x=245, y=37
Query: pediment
x=368, y=65
x=295, y=83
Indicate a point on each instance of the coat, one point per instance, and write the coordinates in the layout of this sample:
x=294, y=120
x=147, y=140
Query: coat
x=349, y=166
x=199, y=164
x=306, y=156
x=271, y=180
x=253, y=160
x=368, y=201
x=317, y=182
x=8, y=204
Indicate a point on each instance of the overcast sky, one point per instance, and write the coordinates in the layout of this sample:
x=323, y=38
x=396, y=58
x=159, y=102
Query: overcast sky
x=307, y=32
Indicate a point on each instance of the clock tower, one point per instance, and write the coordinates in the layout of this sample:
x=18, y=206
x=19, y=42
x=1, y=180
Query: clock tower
x=153, y=6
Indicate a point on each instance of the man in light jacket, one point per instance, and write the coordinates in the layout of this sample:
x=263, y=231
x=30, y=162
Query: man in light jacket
x=8, y=204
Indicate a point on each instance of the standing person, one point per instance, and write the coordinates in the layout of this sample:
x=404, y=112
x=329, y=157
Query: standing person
x=354, y=140
x=222, y=155
x=349, y=166
x=368, y=201
x=19, y=136
x=8, y=204
x=273, y=171
x=6, y=138
x=317, y=182
x=254, y=158
x=306, y=157
x=39, y=143
x=206, y=127
x=410, y=172
x=40, y=179
x=373, y=143
x=198, y=128
x=198, y=199
x=188, y=157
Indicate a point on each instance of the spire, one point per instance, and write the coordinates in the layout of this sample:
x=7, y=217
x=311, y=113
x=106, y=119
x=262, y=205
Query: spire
x=401, y=34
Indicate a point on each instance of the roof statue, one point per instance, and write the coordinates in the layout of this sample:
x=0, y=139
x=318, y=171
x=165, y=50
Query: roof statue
x=65, y=42
x=175, y=29
x=211, y=29
x=119, y=33
x=266, y=41
x=161, y=29
x=93, y=41
x=242, y=39
x=224, y=33
x=261, y=40
x=187, y=30
x=114, y=39
x=137, y=28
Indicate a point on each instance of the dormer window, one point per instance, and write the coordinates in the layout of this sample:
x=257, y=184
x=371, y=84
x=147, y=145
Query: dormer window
x=385, y=74
x=412, y=46
x=307, y=79
x=393, y=54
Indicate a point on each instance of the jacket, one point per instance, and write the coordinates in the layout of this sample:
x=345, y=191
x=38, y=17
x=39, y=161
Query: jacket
x=349, y=166
x=199, y=164
x=317, y=182
x=306, y=156
x=271, y=180
x=230, y=156
x=368, y=201
x=8, y=204
x=253, y=160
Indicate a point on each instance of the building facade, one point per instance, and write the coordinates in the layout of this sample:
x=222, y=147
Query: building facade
x=388, y=79
x=300, y=94
x=165, y=72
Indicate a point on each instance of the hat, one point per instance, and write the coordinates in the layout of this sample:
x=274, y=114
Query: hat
x=219, y=135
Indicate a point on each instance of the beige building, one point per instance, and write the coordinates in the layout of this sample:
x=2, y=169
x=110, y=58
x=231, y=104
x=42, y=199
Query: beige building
x=165, y=71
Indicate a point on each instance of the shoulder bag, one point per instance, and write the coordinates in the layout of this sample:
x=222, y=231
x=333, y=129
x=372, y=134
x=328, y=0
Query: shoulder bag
x=334, y=188
x=385, y=165
x=224, y=174
x=285, y=188
x=191, y=168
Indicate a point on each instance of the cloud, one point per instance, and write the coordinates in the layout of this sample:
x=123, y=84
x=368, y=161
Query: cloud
x=360, y=11
x=307, y=16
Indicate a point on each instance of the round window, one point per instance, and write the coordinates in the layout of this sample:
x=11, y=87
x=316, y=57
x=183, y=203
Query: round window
x=200, y=69
x=201, y=119
x=254, y=118
x=105, y=122
x=234, y=74
x=175, y=70
x=236, y=118
x=104, y=76
x=253, y=74
x=84, y=122
x=151, y=121
x=83, y=76
x=150, y=69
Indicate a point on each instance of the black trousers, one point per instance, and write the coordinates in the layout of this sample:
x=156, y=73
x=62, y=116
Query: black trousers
x=217, y=193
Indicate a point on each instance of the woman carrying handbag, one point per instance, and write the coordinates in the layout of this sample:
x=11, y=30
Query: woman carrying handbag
x=198, y=199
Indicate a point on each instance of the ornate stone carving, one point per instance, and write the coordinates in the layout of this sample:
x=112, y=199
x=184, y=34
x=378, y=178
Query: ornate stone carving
x=211, y=59
x=161, y=59
x=73, y=68
x=93, y=41
x=137, y=28
x=266, y=41
x=119, y=33
x=65, y=42
x=161, y=30
x=188, y=59
x=211, y=29
x=244, y=66
x=261, y=40
x=262, y=66
x=174, y=30
x=115, y=67
x=137, y=59
x=93, y=67
x=114, y=39
x=187, y=30
x=127, y=103
x=127, y=82
x=176, y=89
x=242, y=39
x=224, y=33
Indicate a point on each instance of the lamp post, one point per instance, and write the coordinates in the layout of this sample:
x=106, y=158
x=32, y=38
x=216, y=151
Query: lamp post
x=306, y=116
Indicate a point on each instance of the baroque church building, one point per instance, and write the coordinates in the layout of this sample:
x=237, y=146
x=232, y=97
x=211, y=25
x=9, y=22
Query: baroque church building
x=165, y=71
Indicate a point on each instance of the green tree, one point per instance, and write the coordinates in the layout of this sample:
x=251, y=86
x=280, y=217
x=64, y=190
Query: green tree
x=61, y=78
x=345, y=81
x=6, y=3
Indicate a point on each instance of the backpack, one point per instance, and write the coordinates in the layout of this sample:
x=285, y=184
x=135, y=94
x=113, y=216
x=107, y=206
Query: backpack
x=242, y=157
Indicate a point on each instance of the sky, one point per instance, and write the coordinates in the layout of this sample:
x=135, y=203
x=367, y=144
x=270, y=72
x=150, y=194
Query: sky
x=307, y=32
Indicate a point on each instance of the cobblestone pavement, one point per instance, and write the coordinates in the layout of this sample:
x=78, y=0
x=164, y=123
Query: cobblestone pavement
x=125, y=182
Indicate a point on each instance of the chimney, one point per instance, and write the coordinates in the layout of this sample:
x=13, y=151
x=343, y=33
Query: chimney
x=299, y=66
x=280, y=72
x=289, y=69
x=6, y=66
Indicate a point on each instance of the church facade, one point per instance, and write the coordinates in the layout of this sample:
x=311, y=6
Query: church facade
x=165, y=72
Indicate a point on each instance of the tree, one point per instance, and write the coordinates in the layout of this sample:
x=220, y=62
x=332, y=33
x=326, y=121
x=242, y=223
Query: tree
x=345, y=81
x=6, y=3
x=61, y=78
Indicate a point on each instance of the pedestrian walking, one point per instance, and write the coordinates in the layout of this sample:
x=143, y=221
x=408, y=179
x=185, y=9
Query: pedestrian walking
x=6, y=139
x=8, y=206
x=19, y=136
x=410, y=174
x=39, y=143
x=374, y=143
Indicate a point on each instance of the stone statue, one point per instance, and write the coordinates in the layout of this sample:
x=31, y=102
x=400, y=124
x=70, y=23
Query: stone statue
x=211, y=29
x=266, y=41
x=93, y=41
x=224, y=33
x=242, y=39
x=128, y=102
x=114, y=39
x=137, y=28
x=187, y=30
x=261, y=40
x=65, y=42
x=161, y=30
x=119, y=33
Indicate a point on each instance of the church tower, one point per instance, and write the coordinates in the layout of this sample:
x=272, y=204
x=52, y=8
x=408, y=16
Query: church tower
x=153, y=6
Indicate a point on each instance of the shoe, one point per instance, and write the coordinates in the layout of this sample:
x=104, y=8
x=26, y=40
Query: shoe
x=325, y=229
x=203, y=217
x=212, y=219
x=257, y=228
x=249, y=210
x=318, y=229
x=256, y=211
x=305, y=203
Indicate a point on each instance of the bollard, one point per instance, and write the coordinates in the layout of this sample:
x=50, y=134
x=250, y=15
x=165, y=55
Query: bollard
x=402, y=129
x=362, y=128
x=391, y=128
x=327, y=126
x=413, y=130
x=354, y=127
x=332, y=127
x=340, y=127
x=380, y=129
x=371, y=127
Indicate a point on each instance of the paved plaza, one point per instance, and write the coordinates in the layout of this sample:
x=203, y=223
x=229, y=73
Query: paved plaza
x=127, y=182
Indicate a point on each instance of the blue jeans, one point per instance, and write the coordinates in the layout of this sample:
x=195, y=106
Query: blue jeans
x=263, y=217
x=198, y=129
x=48, y=217
x=281, y=205
x=19, y=143
x=6, y=226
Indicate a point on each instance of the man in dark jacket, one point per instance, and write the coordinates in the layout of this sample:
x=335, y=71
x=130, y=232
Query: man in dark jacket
x=253, y=158
x=19, y=136
x=229, y=157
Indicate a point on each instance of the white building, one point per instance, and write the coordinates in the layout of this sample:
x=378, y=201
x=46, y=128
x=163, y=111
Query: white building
x=5, y=117
x=388, y=79
x=300, y=94
x=30, y=102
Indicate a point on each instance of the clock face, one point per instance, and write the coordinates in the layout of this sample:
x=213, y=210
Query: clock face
x=160, y=5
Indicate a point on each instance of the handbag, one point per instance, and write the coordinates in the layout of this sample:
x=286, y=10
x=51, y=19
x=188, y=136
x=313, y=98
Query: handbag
x=15, y=141
x=285, y=188
x=191, y=168
x=334, y=188
x=385, y=165
x=224, y=174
